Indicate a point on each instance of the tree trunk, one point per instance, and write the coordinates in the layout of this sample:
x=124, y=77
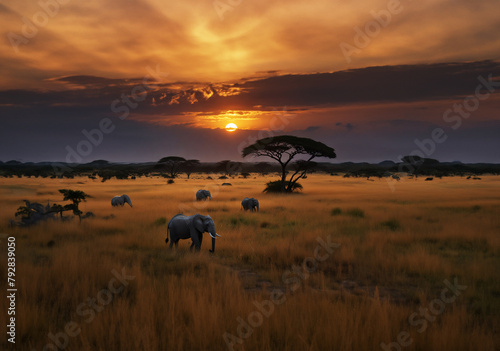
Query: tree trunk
x=283, y=178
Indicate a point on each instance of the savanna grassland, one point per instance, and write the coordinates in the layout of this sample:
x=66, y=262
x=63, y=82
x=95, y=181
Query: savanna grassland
x=396, y=250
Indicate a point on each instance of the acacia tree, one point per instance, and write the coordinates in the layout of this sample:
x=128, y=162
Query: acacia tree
x=171, y=164
x=34, y=212
x=75, y=196
x=284, y=149
x=189, y=166
x=57, y=209
x=24, y=211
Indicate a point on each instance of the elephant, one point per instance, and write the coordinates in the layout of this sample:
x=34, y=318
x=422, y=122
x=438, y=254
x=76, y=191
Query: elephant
x=185, y=227
x=203, y=195
x=250, y=204
x=120, y=200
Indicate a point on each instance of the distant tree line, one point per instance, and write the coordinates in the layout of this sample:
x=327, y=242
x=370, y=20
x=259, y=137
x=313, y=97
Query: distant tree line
x=174, y=166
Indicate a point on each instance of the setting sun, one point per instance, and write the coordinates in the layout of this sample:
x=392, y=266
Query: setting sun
x=231, y=127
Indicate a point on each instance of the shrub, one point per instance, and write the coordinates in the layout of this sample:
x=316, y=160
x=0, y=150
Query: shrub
x=392, y=224
x=170, y=181
x=356, y=212
x=275, y=187
x=265, y=224
x=160, y=221
x=336, y=211
x=236, y=221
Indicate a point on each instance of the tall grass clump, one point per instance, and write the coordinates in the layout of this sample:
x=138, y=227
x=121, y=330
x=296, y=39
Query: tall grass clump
x=356, y=212
x=392, y=224
x=336, y=211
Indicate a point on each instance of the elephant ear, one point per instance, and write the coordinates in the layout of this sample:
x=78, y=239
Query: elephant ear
x=198, y=223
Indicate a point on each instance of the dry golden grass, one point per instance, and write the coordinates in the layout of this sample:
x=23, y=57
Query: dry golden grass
x=396, y=250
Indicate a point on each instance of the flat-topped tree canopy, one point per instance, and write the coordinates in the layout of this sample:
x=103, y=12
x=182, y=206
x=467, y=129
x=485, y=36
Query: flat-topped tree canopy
x=284, y=148
x=278, y=146
x=170, y=159
x=172, y=164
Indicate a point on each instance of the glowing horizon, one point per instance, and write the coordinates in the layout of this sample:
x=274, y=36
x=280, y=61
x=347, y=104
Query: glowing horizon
x=368, y=77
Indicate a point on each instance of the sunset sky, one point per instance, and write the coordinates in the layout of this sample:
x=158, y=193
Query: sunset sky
x=372, y=79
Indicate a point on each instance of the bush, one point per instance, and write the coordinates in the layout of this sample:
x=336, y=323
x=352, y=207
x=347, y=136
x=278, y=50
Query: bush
x=160, y=221
x=336, y=211
x=356, y=212
x=265, y=224
x=236, y=221
x=275, y=187
x=392, y=224
x=170, y=181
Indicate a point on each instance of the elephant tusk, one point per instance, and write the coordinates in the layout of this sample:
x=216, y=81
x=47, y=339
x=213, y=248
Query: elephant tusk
x=217, y=235
x=212, y=235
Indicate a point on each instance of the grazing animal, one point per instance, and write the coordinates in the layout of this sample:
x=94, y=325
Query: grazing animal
x=250, y=204
x=203, y=195
x=185, y=227
x=428, y=179
x=121, y=200
x=226, y=184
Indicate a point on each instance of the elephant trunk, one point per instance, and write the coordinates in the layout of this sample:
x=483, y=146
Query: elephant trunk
x=213, y=240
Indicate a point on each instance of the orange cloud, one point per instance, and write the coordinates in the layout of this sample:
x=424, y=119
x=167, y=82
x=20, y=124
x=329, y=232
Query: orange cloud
x=190, y=41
